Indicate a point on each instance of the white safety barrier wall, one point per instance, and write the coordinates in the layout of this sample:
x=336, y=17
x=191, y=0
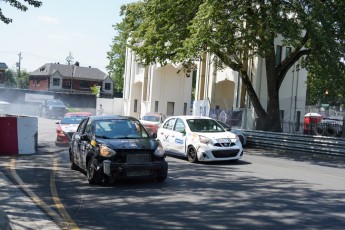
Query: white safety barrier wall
x=19, y=135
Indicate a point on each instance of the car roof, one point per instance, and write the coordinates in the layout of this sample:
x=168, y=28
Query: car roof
x=154, y=114
x=108, y=117
x=78, y=114
x=191, y=117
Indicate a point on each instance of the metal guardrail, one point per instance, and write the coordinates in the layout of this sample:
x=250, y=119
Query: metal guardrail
x=296, y=142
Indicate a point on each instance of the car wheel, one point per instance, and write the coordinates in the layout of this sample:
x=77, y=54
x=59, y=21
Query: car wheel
x=192, y=155
x=71, y=158
x=91, y=173
x=161, y=178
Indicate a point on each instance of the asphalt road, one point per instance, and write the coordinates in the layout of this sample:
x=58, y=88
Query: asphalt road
x=264, y=190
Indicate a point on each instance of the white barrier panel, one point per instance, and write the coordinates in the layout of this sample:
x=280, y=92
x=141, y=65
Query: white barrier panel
x=27, y=134
x=19, y=135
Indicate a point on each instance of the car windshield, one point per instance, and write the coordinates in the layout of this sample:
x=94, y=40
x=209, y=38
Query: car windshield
x=55, y=103
x=204, y=125
x=119, y=129
x=72, y=119
x=151, y=118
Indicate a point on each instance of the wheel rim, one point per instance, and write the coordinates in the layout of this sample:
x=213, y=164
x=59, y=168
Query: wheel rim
x=91, y=171
x=192, y=155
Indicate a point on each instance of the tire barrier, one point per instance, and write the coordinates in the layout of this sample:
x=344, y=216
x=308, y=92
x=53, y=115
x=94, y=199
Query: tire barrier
x=18, y=135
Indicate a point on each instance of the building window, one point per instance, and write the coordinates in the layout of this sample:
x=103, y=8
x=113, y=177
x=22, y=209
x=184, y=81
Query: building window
x=68, y=83
x=38, y=82
x=170, y=109
x=288, y=51
x=107, y=86
x=84, y=85
x=135, y=105
x=140, y=68
x=56, y=81
x=184, y=108
x=156, y=106
x=278, y=54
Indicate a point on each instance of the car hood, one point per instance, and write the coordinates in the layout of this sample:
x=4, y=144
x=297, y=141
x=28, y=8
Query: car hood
x=217, y=135
x=144, y=143
x=69, y=127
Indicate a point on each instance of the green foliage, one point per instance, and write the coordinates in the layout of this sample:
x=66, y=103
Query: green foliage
x=116, y=56
x=10, y=79
x=95, y=90
x=19, y=6
x=235, y=31
x=326, y=89
x=23, y=80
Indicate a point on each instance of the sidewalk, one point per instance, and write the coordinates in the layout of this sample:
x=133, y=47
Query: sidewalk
x=19, y=212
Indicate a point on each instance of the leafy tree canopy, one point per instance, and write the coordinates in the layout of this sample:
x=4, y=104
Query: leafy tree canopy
x=19, y=6
x=117, y=55
x=180, y=30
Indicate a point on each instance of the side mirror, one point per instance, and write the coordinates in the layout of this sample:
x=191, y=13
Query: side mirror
x=227, y=129
x=183, y=132
x=154, y=135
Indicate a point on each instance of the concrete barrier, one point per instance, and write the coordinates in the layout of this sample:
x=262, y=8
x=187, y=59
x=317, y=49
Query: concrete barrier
x=19, y=134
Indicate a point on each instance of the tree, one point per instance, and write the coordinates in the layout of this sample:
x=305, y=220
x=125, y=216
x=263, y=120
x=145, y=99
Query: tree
x=117, y=55
x=23, y=80
x=326, y=90
x=10, y=79
x=236, y=31
x=19, y=6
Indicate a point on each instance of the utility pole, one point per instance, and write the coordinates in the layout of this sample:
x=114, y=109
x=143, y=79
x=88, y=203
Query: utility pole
x=18, y=64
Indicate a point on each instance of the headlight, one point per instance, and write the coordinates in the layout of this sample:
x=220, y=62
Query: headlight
x=159, y=151
x=205, y=140
x=105, y=151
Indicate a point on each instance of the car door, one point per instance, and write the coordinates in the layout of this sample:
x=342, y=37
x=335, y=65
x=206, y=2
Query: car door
x=165, y=132
x=85, y=142
x=178, y=141
x=76, y=142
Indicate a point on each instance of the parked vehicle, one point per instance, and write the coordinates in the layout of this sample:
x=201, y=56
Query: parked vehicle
x=332, y=126
x=238, y=132
x=108, y=148
x=152, y=121
x=199, y=139
x=68, y=125
x=52, y=108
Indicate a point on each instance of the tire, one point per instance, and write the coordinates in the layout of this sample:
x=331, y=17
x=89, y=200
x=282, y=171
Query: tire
x=73, y=165
x=330, y=131
x=91, y=173
x=192, y=155
x=161, y=178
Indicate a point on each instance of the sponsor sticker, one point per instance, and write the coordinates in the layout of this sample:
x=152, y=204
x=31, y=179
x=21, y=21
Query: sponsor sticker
x=178, y=141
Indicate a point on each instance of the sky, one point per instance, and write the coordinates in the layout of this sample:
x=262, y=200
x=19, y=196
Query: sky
x=48, y=34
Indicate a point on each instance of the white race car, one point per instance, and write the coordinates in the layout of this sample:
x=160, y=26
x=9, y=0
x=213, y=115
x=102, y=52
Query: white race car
x=199, y=139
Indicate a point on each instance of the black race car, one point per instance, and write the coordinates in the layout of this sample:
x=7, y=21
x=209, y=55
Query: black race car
x=52, y=108
x=108, y=148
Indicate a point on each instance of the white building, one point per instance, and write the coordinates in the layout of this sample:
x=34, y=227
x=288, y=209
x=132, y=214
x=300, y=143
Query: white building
x=167, y=90
x=155, y=88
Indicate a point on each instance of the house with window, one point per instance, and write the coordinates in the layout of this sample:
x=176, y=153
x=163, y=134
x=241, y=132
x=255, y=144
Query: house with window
x=3, y=68
x=70, y=78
